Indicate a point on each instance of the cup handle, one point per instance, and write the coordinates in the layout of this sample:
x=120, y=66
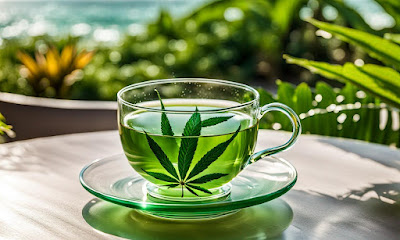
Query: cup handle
x=294, y=119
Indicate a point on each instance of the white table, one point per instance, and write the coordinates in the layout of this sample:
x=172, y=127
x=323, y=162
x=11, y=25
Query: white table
x=346, y=189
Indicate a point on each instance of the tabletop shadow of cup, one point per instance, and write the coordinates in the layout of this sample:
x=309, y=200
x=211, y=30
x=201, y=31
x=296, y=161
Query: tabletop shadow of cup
x=265, y=221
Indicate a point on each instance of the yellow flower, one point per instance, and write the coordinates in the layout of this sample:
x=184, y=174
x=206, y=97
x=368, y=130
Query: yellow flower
x=53, y=70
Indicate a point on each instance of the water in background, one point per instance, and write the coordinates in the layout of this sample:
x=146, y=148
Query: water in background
x=104, y=20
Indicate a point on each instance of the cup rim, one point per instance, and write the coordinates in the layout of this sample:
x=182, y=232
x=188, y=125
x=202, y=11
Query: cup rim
x=172, y=80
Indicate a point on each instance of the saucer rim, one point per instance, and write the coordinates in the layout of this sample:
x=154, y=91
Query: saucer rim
x=189, y=207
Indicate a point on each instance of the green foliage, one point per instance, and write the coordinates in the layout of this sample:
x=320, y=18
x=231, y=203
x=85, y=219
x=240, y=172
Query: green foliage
x=225, y=39
x=284, y=11
x=377, y=47
x=393, y=37
x=351, y=16
x=206, y=43
x=392, y=7
x=348, y=112
x=374, y=120
x=382, y=82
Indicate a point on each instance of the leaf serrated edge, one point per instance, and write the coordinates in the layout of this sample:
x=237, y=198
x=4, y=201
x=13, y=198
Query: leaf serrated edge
x=202, y=164
x=166, y=127
x=192, y=128
x=161, y=156
x=160, y=176
x=210, y=122
x=208, y=178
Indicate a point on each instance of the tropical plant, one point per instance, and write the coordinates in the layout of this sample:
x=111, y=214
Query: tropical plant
x=341, y=112
x=392, y=7
x=351, y=16
x=227, y=39
x=382, y=82
x=52, y=74
x=235, y=40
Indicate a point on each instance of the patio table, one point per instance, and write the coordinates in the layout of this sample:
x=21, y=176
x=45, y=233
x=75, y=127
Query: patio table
x=346, y=189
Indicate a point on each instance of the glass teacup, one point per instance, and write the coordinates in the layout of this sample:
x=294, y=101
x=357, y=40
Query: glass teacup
x=190, y=137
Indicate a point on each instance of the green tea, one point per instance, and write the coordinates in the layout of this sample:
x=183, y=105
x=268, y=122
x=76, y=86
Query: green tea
x=198, y=163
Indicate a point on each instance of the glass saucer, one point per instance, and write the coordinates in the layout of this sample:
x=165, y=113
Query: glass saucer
x=113, y=179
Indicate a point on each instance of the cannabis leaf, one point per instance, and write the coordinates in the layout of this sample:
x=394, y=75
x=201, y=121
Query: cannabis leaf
x=208, y=178
x=211, y=156
x=160, y=176
x=214, y=121
x=199, y=188
x=190, y=190
x=161, y=156
x=166, y=128
x=187, y=149
x=202, y=165
x=189, y=144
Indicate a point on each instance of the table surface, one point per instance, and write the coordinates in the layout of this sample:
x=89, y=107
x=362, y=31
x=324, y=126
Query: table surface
x=346, y=189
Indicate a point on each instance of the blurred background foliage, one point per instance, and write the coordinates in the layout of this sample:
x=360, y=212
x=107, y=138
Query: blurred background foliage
x=229, y=39
x=244, y=41
x=380, y=120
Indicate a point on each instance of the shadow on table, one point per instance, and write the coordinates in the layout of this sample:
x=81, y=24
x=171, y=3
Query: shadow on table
x=386, y=193
x=264, y=221
x=369, y=213
x=391, y=158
